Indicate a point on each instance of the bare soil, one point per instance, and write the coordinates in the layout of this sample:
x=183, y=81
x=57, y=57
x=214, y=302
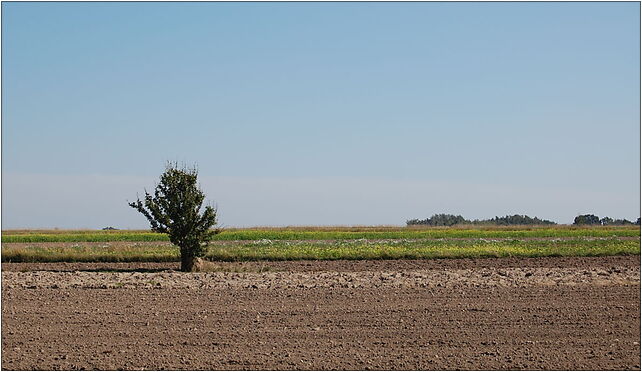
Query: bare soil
x=343, y=265
x=552, y=313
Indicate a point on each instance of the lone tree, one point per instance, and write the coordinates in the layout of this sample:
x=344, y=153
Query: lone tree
x=587, y=219
x=175, y=209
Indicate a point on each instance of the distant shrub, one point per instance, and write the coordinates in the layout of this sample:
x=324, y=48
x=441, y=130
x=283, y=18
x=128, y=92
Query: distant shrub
x=515, y=220
x=609, y=221
x=440, y=220
x=587, y=219
x=591, y=219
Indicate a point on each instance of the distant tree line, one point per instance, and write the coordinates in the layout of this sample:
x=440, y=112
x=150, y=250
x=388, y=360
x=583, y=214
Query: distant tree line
x=451, y=220
x=443, y=219
x=591, y=219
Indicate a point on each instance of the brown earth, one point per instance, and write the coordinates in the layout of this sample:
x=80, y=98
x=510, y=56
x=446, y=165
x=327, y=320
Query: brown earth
x=554, y=313
x=343, y=265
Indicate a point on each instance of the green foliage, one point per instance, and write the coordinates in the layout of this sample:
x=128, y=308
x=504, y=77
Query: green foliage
x=451, y=220
x=515, y=220
x=606, y=221
x=587, y=219
x=591, y=219
x=440, y=220
x=85, y=236
x=427, y=249
x=175, y=209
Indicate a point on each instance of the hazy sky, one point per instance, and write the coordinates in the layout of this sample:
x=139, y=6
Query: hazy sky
x=321, y=113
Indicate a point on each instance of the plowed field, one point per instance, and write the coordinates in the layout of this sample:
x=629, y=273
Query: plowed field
x=545, y=313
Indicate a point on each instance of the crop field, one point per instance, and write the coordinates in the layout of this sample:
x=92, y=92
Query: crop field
x=325, y=233
x=321, y=298
x=358, y=249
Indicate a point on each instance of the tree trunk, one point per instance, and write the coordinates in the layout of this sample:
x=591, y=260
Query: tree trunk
x=190, y=263
x=187, y=262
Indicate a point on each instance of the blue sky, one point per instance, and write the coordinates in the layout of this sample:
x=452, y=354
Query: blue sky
x=321, y=113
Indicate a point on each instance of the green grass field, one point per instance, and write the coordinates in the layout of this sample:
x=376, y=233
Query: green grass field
x=273, y=250
x=336, y=233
